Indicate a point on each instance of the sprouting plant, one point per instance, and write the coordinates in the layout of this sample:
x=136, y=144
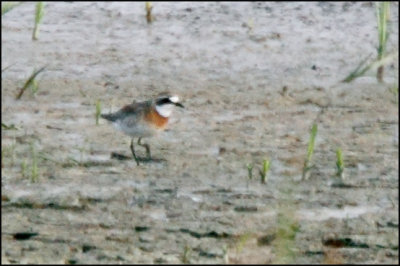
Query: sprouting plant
x=34, y=87
x=98, y=111
x=250, y=25
x=382, y=58
x=242, y=240
x=186, y=254
x=250, y=170
x=149, y=7
x=38, y=17
x=310, y=151
x=29, y=82
x=7, y=67
x=8, y=151
x=311, y=144
x=24, y=167
x=359, y=71
x=382, y=10
x=362, y=67
x=339, y=164
x=7, y=6
x=395, y=90
x=8, y=127
x=264, y=171
x=225, y=254
x=81, y=150
x=284, y=244
x=34, y=168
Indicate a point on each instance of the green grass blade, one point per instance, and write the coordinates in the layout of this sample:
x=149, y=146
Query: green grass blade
x=29, y=82
x=8, y=127
x=288, y=226
x=264, y=171
x=357, y=72
x=310, y=151
x=250, y=170
x=385, y=60
x=7, y=67
x=38, y=17
x=98, y=111
x=311, y=144
x=339, y=163
x=383, y=18
x=8, y=6
x=149, y=16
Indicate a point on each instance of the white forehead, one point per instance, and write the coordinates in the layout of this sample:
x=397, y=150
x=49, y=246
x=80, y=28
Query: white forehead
x=174, y=99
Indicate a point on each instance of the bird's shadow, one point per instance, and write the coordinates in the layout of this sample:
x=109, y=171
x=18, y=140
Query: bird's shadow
x=122, y=157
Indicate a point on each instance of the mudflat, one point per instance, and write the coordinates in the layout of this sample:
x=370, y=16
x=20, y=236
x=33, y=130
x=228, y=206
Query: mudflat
x=254, y=77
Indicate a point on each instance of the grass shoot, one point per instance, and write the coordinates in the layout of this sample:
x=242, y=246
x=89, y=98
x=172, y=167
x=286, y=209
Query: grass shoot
x=98, y=111
x=363, y=67
x=339, y=164
x=34, y=87
x=264, y=171
x=241, y=241
x=359, y=71
x=382, y=9
x=395, y=90
x=8, y=152
x=250, y=170
x=284, y=244
x=8, y=6
x=186, y=254
x=38, y=17
x=383, y=58
x=7, y=67
x=310, y=151
x=24, y=168
x=29, y=82
x=149, y=17
x=8, y=127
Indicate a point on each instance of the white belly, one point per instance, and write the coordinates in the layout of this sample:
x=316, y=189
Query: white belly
x=137, y=131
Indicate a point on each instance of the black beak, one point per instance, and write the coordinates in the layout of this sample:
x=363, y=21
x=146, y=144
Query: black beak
x=180, y=105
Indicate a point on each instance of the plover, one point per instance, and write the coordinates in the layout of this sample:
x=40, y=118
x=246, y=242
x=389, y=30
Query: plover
x=144, y=119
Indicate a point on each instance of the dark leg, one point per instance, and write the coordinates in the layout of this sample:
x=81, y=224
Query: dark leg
x=133, y=152
x=147, y=148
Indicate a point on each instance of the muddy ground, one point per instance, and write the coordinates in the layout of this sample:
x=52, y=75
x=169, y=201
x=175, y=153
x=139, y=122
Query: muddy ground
x=254, y=77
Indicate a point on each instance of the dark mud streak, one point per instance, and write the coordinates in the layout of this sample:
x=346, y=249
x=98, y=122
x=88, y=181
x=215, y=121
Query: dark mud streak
x=344, y=242
x=28, y=205
x=252, y=92
x=24, y=235
x=211, y=234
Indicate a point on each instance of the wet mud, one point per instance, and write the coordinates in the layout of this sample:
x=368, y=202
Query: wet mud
x=253, y=77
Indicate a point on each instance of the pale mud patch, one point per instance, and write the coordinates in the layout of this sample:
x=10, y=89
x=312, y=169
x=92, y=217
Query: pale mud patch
x=252, y=81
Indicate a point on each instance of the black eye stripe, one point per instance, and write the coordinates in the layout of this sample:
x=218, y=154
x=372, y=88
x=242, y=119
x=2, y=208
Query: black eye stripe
x=163, y=101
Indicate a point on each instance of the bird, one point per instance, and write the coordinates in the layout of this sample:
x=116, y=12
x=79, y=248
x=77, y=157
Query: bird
x=144, y=119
